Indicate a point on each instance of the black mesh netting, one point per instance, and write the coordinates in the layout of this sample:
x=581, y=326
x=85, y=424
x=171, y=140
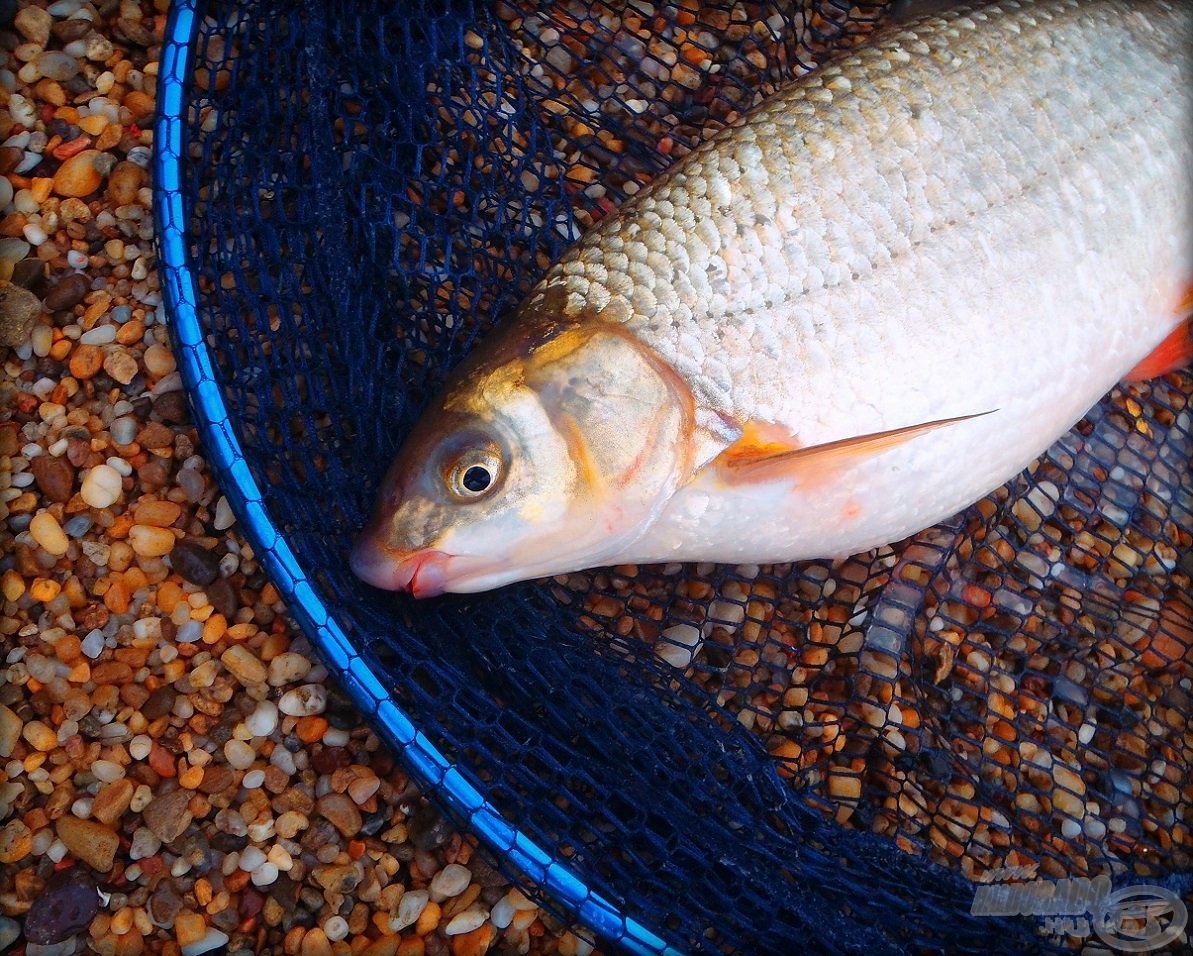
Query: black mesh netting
x=747, y=759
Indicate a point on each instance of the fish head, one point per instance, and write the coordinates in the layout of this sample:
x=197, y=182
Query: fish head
x=549, y=453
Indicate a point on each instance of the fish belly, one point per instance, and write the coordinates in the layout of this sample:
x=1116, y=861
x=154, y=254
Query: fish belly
x=989, y=212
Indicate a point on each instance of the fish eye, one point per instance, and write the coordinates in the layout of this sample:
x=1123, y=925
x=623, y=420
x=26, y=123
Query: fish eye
x=474, y=474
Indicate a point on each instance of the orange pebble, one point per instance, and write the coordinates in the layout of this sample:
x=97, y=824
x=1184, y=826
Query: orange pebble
x=44, y=589
x=190, y=778
x=161, y=762
x=168, y=596
x=356, y=849
x=80, y=673
x=120, y=527
x=67, y=648
x=214, y=627
x=60, y=350
x=117, y=597
x=311, y=729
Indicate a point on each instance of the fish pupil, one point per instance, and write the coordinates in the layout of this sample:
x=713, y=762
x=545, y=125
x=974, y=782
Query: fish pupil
x=476, y=479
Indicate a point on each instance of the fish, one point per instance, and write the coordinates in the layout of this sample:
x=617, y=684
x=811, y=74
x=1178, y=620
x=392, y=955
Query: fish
x=876, y=297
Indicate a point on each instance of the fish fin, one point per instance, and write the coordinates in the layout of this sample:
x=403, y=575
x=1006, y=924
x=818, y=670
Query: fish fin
x=766, y=452
x=1175, y=352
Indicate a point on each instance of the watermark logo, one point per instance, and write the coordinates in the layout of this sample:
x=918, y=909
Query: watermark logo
x=1131, y=919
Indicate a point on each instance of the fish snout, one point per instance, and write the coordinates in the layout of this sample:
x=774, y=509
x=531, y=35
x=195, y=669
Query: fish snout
x=422, y=573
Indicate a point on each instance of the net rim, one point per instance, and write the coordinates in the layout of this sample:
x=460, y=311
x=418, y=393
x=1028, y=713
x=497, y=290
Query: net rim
x=213, y=421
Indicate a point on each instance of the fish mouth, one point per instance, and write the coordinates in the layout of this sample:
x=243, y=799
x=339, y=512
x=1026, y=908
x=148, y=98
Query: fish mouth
x=422, y=573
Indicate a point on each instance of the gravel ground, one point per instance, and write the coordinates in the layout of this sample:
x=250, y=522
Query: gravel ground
x=178, y=774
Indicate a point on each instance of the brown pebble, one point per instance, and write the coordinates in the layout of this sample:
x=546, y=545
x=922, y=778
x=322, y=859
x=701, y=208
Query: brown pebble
x=19, y=309
x=171, y=408
x=80, y=175
x=341, y=812
x=121, y=365
x=67, y=292
x=10, y=159
x=338, y=878
x=167, y=816
x=33, y=23
x=125, y=180
x=155, y=435
x=112, y=800
x=54, y=476
x=159, y=703
x=93, y=843
x=139, y=103
x=216, y=779
x=86, y=361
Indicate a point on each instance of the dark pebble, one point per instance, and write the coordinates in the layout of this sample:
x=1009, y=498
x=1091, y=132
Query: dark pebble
x=67, y=292
x=164, y=904
x=155, y=473
x=225, y=919
x=77, y=451
x=66, y=906
x=284, y=890
x=250, y=903
x=68, y=30
x=223, y=598
x=341, y=713
x=134, y=31
x=54, y=477
x=216, y=779
x=428, y=828
x=330, y=759
x=10, y=159
x=195, y=563
x=160, y=702
x=171, y=408
x=29, y=274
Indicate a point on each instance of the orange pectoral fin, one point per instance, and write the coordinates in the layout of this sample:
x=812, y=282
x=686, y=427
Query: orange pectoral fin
x=761, y=454
x=1175, y=352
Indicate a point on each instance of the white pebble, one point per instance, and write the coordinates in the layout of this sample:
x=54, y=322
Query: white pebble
x=224, y=518
x=253, y=779
x=76, y=259
x=251, y=857
x=409, y=909
x=472, y=918
x=148, y=628
x=93, y=644
x=287, y=668
x=139, y=747
x=120, y=466
x=105, y=771
x=265, y=875
x=502, y=913
x=680, y=644
x=1085, y=732
x=189, y=631
x=1070, y=829
x=212, y=939
x=451, y=881
x=240, y=755
x=304, y=701
x=263, y=719
x=100, y=335
x=336, y=928
x=101, y=487
x=336, y=737
x=34, y=232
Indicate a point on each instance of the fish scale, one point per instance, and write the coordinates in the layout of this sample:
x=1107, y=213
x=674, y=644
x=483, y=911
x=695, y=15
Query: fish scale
x=916, y=154
x=964, y=233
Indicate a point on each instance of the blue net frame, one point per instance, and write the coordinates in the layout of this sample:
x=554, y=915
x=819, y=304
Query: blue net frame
x=636, y=803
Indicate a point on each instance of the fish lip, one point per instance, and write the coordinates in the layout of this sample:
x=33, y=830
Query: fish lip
x=423, y=572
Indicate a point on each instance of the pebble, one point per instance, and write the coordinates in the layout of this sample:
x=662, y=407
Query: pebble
x=10, y=730
x=451, y=881
x=211, y=939
x=240, y=755
x=410, y=908
x=80, y=175
x=19, y=309
x=67, y=292
x=33, y=23
x=304, y=701
x=151, y=542
x=10, y=932
x=54, y=476
x=287, y=668
x=341, y=812
x=224, y=517
x=195, y=563
x=93, y=843
x=16, y=842
x=64, y=907
x=465, y=922
x=167, y=816
x=144, y=844
x=102, y=487
x=264, y=718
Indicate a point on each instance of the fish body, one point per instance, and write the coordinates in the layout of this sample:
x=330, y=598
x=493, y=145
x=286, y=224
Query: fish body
x=878, y=296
